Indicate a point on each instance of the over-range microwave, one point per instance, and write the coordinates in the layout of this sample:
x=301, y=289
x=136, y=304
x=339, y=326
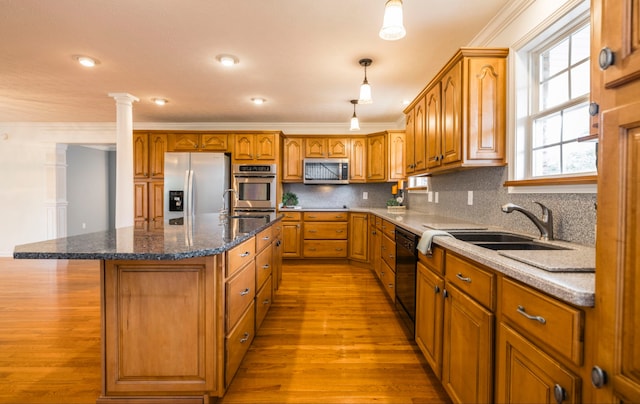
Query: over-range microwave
x=326, y=171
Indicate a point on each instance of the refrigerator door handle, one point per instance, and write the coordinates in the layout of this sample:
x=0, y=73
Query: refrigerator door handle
x=191, y=194
x=187, y=193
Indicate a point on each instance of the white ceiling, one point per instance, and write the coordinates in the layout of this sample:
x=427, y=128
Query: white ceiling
x=301, y=55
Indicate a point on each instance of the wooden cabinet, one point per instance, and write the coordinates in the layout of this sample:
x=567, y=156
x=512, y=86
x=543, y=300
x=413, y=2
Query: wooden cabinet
x=359, y=236
x=376, y=158
x=292, y=157
x=468, y=334
x=191, y=142
x=276, y=246
x=617, y=266
x=148, y=163
x=387, y=274
x=325, y=235
x=461, y=114
x=324, y=147
x=254, y=147
x=396, y=147
x=291, y=235
x=539, y=340
x=375, y=243
x=358, y=160
x=264, y=274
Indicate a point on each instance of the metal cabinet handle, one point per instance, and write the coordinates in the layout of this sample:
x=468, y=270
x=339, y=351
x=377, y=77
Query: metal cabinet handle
x=245, y=254
x=311, y=249
x=559, y=393
x=245, y=338
x=463, y=278
x=391, y=286
x=539, y=319
x=266, y=266
x=245, y=292
x=594, y=108
x=339, y=231
x=445, y=294
x=436, y=289
x=266, y=301
x=598, y=377
x=606, y=58
x=312, y=231
x=266, y=238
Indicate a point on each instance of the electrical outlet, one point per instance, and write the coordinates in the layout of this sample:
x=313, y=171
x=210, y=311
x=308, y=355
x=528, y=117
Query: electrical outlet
x=436, y=197
x=469, y=197
x=365, y=195
x=430, y=196
x=84, y=225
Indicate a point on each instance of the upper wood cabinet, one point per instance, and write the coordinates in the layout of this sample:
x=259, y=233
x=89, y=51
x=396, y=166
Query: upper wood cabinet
x=358, y=160
x=396, y=150
x=376, y=157
x=292, y=156
x=189, y=142
x=256, y=147
x=326, y=147
x=616, y=24
x=461, y=114
x=148, y=155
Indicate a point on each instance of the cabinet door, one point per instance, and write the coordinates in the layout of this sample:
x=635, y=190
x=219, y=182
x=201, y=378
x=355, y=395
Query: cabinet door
x=292, y=160
x=527, y=375
x=157, y=148
x=338, y=148
x=467, y=363
x=433, y=127
x=291, y=242
x=397, y=154
x=265, y=146
x=621, y=35
x=314, y=147
x=376, y=158
x=419, y=131
x=357, y=163
x=140, y=204
x=429, y=317
x=214, y=142
x=140, y=155
x=183, y=141
x=451, y=145
x=486, y=108
x=359, y=236
x=243, y=147
x=410, y=139
x=156, y=204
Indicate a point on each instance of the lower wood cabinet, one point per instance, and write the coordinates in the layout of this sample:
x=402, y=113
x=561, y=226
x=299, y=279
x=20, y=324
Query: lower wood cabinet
x=237, y=342
x=429, y=316
x=291, y=235
x=325, y=234
x=359, y=236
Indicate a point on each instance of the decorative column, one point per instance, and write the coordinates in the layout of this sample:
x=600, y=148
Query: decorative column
x=124, y=158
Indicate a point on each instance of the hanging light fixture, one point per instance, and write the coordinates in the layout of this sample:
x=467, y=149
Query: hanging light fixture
x=355, y=124
x=392, y=27
x=365, y=88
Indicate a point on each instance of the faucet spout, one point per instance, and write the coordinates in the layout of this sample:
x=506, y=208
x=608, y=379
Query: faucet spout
x=544, y=224
x=224, y=210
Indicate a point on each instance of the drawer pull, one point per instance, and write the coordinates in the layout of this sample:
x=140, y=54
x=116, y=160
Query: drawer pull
x=266, y=301
x=311, y=249
x=245, y=338
x=265, y=266
x=339, y=231
x=539, y=319
x=559, y=393
x=463, y=278
x=436, y=289
x=391, y=286
x=245, y=292
x=265, y=238
x=339, y=249
x=245, y=254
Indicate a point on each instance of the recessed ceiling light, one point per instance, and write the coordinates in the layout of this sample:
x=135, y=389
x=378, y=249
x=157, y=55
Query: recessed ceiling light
x=258, y=100
x=86, y=61
x=159, y=101
x=227, y=60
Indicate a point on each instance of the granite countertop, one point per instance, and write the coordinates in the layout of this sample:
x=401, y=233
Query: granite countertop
x=577, y=288
x=207, y=234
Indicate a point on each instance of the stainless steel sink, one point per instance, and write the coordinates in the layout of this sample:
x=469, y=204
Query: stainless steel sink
x=531, y=245
x=490, y=237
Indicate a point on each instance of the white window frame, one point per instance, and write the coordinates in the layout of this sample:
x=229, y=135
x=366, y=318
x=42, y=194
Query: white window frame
x=524, y=80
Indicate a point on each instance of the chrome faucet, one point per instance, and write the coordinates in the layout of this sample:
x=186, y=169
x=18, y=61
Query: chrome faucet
x=223, y=210
x=545, y=225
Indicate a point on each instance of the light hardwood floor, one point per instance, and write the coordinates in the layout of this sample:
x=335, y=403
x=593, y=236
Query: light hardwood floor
x=331, y=336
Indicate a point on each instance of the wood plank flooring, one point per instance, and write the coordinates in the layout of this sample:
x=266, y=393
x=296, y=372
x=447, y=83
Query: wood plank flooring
x=331, y=336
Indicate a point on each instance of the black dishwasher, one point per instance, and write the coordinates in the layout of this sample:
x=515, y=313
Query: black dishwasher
x=406, y=259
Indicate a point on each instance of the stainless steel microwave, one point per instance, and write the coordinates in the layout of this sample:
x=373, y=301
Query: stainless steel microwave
x=326, y=171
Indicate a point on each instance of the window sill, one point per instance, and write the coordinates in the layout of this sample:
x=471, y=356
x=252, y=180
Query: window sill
x=582, y=184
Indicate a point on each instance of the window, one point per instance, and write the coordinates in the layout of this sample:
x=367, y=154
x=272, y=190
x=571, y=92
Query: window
x=553, y=81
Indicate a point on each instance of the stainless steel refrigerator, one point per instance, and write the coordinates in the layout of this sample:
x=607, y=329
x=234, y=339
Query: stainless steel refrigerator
x=194, y=183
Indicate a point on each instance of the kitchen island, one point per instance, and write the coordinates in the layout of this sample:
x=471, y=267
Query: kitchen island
x=178, y=304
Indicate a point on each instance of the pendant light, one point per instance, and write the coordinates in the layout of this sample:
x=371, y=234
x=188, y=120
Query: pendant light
x=392, y=27
x=365, y=88
x=355, y=124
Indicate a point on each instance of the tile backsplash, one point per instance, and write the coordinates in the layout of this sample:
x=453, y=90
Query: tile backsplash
x=574, y=214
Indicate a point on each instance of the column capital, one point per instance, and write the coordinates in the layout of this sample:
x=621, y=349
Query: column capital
x=124, y=98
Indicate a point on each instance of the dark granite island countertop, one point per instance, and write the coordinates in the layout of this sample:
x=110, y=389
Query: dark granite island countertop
x=199, y=236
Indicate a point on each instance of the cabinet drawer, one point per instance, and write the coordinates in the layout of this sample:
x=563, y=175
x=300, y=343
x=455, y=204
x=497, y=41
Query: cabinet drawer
x=263, y=239
x=548, y=320
x=388, y=279
x=435, y=261
x=378, y=222
x=263, y=267
x=389, y=229
x=238, y=341
x=238, y=256
x=320, y=231
x=291, y=216
x=240, y=292
x=325, y=248
x=325, y=216
x=263, y=302
x=478, y=283
x=388, y=251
